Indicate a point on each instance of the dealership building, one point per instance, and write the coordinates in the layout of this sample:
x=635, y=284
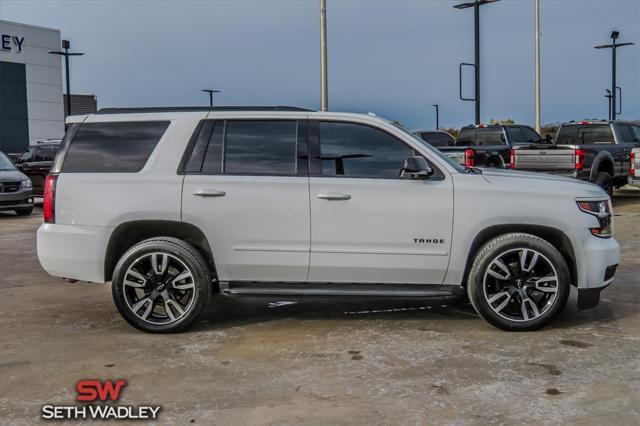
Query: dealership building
x=31, y=100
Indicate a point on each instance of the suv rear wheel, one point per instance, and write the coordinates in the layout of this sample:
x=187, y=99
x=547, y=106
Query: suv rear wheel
x=518, y=282
x=161, y=285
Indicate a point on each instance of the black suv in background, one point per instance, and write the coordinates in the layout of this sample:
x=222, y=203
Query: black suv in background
x=436, y=138
x=490, y=145
x=598, y=151
x=36, y=161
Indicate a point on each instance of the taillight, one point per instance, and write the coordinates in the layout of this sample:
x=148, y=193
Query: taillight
x=468, y=158
x=633, y=169
x=579, y=159
x=512, y=158
x=49, y=202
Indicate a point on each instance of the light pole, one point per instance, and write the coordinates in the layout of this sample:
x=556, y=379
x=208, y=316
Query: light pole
x=437, y=116
x=613, y=46
x=324, y=84
x=211, y=92
x=66, y=45
x=537, y=84
x=476, y=19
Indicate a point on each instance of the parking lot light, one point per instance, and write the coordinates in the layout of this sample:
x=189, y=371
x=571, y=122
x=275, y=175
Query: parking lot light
x=613, y=46
x=66, y=45
x=476, y=19
x=211, y=92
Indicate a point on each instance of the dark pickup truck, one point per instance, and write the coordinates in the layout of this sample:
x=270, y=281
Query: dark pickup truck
x=594, y=150
x=489, y=145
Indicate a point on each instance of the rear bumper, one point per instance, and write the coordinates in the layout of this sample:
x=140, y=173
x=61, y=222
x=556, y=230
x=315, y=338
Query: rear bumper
x=16, y=200
x=73, y=251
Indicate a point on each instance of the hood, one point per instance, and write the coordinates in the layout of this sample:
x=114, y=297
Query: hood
x=542, y=182
x=12, y=176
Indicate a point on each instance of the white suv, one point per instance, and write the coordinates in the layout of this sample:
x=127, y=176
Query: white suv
x=178, y=206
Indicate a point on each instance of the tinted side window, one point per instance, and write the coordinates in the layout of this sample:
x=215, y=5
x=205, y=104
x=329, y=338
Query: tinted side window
x=530, y=135
x=636, y=132
x=515, y=135
x=466, y=137
x=626, y=133
x=489, y=136
x=120, y=147
x=261, y=147
x=355, y=150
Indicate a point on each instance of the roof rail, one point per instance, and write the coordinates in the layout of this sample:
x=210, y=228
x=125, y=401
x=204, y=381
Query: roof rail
x=198, y=108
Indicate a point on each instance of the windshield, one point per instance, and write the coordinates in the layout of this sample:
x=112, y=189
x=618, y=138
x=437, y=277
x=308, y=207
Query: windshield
x=432, y=150
x=5, y=163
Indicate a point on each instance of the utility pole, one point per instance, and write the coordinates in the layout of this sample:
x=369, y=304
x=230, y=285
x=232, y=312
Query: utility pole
x=538, y=101
x=66, y=45
x=324, y=85
x=211, y=92
x=613, y=46
x=437, y=116
x=476, y=20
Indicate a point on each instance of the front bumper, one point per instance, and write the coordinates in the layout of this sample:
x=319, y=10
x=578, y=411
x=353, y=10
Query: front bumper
x=16, y=200
x=596, y=263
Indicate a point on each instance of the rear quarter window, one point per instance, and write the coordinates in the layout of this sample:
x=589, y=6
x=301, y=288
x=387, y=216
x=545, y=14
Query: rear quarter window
x=116, y=147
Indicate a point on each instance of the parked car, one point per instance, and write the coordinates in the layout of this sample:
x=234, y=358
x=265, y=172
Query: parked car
x=490, y=145
x=634, y=169
x=36, y=161
x=15, y=188
x=597, y=151
x=179, y=206
x=436, y=138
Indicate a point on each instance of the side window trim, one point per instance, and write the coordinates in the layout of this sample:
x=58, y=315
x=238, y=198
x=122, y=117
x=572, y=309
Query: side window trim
x=315, y=151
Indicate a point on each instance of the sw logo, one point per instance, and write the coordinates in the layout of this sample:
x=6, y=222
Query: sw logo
x=90, y=390
x=94, y=391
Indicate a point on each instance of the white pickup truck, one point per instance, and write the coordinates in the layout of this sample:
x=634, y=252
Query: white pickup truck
x=177, y=207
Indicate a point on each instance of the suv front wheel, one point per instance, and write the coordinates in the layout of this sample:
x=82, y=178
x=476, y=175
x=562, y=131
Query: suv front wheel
x=518, y=282
x=161, y=285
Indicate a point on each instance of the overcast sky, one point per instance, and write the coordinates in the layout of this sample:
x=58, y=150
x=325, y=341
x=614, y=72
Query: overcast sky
x=394, y=58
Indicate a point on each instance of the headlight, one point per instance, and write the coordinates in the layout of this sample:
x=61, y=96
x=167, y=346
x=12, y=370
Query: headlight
x=602, y=211
x=25, y=184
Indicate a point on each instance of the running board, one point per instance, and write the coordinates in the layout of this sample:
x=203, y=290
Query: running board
x=236, y=288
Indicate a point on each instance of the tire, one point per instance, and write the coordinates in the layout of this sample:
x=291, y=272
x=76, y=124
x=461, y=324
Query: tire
x=161, y=285
x=604, y=181
x=24, y=212
x=536, y=274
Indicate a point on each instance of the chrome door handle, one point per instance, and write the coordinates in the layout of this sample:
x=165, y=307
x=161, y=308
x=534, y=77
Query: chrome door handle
x=209, y=193
x=334, y=196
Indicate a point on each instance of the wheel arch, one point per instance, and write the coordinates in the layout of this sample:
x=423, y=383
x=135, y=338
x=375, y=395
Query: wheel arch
x=554, y=236
x=602, y=163
x=127, y=234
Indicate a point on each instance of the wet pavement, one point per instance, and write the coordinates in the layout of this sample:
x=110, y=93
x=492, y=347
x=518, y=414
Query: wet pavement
x=256, y=361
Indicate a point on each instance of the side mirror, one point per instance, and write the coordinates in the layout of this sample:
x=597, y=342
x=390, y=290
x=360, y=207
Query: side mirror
x=416, y=168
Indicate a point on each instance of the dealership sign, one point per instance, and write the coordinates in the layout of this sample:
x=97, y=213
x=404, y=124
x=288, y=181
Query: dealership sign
x=10, y=42
x=93, y=391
